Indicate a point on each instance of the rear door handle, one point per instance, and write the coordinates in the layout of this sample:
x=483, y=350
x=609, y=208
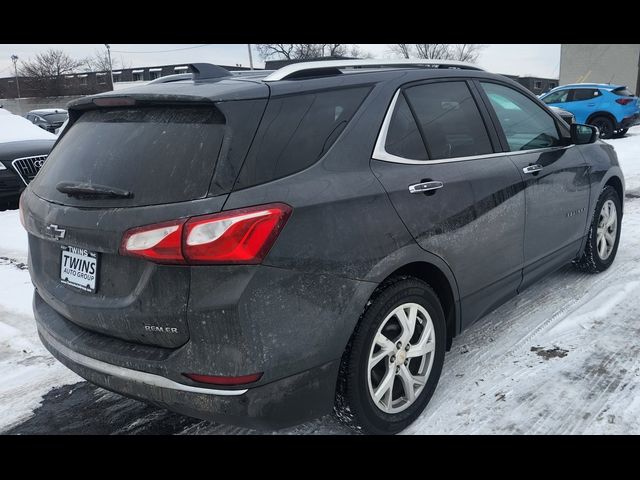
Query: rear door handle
x=425, y=187
x=532, y=168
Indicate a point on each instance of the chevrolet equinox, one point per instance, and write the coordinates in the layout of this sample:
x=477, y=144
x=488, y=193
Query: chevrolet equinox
x=266, y=248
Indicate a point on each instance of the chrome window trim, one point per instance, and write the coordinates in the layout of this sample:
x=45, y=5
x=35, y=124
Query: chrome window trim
x=132, y=375
x=379, y=152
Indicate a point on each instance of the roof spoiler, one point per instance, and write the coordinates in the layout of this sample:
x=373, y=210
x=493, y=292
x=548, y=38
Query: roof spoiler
x=204, y=71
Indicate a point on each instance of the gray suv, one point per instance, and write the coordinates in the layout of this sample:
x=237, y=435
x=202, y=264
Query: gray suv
x=262, y=250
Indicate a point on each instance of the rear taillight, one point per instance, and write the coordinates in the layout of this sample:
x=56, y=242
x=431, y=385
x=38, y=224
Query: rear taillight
x=624, y=101
x=160, y=243
x=242, y=236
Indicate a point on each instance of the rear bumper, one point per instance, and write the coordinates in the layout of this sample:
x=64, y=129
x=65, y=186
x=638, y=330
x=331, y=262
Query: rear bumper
x=630, y=121
x=276, y=405
x=299, y=353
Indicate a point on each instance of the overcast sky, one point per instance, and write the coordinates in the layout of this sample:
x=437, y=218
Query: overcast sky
x=541, y=60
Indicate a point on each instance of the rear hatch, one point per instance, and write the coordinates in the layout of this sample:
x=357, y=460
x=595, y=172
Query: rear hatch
x=122, y=168
x=628, y=99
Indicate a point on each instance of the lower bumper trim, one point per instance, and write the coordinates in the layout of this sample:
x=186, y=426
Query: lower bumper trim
x=129, y=374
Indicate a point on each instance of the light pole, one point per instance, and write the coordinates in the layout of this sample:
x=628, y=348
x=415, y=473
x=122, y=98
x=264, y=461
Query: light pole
x=250, y=56
x=110, y=66
x=14, y=59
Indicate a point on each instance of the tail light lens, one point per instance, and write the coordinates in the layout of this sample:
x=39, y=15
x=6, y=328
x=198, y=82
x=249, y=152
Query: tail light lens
x=160, y=243
x=624, y=101
x=242, y=236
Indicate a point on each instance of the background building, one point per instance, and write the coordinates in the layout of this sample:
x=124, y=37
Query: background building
x=88, y=83
x=537, y=85
x=601, y=63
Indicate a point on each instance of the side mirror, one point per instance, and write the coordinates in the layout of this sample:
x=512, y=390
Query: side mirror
x=583, y=134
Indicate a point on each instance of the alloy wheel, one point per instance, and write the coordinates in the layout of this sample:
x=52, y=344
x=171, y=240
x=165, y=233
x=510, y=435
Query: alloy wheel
x=400, y=358
x=607, y=229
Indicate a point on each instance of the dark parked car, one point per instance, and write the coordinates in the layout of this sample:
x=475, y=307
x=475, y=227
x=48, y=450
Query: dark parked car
x=49, y=119
x=564, y=115
x=260, y=251
x=19, y=163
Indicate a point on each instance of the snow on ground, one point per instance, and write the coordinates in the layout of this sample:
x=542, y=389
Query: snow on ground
x=27, y=370
x=15, y=127
x=562, y=357
x=628, y=149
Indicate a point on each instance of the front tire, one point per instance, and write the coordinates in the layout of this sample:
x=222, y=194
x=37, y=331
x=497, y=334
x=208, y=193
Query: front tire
x=393, y=362
x=604, y=233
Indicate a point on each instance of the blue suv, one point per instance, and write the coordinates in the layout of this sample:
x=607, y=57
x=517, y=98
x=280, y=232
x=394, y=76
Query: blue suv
x=611, y=108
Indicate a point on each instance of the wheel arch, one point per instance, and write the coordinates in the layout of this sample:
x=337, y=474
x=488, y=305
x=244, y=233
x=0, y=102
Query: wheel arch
x=615, y=182
x=437, y=280
x=413, y=261
x=602, y=113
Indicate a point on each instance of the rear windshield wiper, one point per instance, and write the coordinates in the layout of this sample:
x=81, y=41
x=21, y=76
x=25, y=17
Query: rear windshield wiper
x=91, y=190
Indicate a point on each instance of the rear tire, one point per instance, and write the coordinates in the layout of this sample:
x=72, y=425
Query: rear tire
x=398, y=365
x=597, y=257
x=605, y=125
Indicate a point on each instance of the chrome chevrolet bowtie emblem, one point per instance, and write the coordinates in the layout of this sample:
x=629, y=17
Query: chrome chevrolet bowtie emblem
x=54, y=232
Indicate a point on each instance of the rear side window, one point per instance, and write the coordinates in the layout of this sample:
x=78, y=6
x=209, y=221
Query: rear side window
x=622, y=91
x=296, y=131
x=162, y=155
x=580, y=94
x=403, y=136
x=449, y=119
x=525, y=124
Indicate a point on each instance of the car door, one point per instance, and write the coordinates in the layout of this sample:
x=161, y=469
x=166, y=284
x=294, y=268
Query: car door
x=557, y=98
x=555, y=175
x=460, y=200
x=583, y=102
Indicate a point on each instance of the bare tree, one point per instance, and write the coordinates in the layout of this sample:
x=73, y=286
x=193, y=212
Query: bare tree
x=356, y=52
x=46, y=71
x=467, y=52
x=289, y=51
x=334, y=49
x=304, y=51
x=404, y=50
x=99, y=62
x=441, y=51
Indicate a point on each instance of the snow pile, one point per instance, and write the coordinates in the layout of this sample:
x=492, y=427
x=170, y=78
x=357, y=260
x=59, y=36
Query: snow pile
x=15, y=128
x=628, y=150
x=4, y=111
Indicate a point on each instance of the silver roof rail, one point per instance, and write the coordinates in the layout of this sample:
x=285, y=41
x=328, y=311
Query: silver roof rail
x=316, y=67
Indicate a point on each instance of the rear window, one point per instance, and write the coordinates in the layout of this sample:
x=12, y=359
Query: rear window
x=296, y=131
x=622, y=91
x=162, y=155
x=55, y=117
